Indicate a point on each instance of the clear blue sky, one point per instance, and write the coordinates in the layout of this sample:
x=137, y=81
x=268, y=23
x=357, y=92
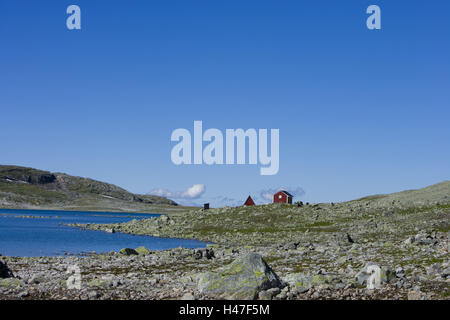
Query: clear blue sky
x=359, y=111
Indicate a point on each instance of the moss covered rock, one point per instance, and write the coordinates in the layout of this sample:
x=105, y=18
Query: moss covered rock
x=244, y=278
x=142, y=250
x=128, y=252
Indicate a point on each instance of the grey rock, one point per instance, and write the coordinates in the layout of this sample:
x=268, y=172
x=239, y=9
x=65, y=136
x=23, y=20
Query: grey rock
x=434, y=269
x=303, y=282
x=204, y=253
x=281, y=296
x=188, y=296
x=446, y=273
x=128, y=252
x=268, y=294
x=142, y=250
x=414, y=295
x=5, y=272
x=274, y=291
x=343, y=239
x=244, y=278
x=24, y=294
x=93, y=295
x=386, y=275
x=291, y=246
x=264, y=295
x=400, y=272
x=164, y=218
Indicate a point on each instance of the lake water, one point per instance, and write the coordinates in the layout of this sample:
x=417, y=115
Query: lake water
x=45, y=235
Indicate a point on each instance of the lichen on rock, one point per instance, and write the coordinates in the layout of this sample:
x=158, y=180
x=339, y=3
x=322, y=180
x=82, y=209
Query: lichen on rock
x=243, y=279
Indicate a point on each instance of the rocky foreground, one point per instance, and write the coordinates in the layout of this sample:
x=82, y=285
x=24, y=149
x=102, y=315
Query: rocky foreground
x=304, y=251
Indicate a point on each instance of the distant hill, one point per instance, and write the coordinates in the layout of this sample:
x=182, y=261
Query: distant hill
x=435, y=193
x=29, y=188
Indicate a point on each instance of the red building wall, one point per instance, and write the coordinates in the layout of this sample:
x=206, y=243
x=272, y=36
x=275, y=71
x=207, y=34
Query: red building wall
x=249, y=202
x=281, y=197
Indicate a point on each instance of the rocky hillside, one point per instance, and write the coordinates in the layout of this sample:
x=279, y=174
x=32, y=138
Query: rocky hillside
x=319, y=251
x=29, y=188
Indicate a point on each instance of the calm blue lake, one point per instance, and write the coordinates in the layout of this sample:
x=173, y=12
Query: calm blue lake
x=47, y=236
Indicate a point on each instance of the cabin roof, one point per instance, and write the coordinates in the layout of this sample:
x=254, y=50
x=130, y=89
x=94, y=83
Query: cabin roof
x=287, y=193
x=249, y=201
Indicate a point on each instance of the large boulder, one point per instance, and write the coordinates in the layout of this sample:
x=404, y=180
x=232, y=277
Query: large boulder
x=5, y=272
x=243, y=279
x=204, y=253
x=142, y=250
x=128, y=252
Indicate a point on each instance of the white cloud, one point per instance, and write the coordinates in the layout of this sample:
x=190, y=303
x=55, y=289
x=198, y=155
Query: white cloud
x=193, y=192
x=267, y=194
x=223, y=201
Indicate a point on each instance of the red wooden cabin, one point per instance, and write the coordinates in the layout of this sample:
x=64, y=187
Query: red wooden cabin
x=249, y=202
x=282, y=197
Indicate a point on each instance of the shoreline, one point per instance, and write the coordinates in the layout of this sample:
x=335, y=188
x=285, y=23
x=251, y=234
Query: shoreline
x=104, y=210
x=318, y=251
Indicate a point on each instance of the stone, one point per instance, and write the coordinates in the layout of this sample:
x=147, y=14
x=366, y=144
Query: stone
x=378, y=274
x=5, y=272
x=273, y=291
x=400, y=272
x=24, y=294
x=343, y=239
x=128, y=252
x=414, y=295
x=243, y=279
x=116, y=283
x=264, y=295
x=281, y=296
x=301, y=282
x=36, y=279
x=93, y=295
x=388, y=213
x=164, y=218
x=291, y=246
x=188, y=296
x=204, y=253
x=446, y=273
x=142, y=250
x=434, y=269
x=198, y=255
x=97, y=282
